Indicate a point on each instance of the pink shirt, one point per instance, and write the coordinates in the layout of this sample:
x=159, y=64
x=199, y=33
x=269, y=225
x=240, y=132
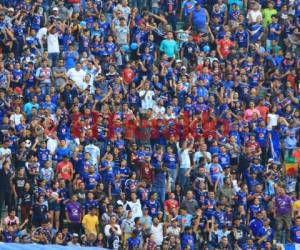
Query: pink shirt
x=8, y=221
x=248, y=114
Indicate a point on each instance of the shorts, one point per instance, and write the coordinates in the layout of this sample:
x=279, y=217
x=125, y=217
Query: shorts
x=54, y=206
x=234, y=161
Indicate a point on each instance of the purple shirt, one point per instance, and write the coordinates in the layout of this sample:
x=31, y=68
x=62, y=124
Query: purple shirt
x=283, y=204
x=74, y=211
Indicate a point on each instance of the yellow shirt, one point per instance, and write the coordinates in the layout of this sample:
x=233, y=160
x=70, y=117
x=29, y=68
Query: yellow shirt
x=90, y=222
x=296, y=205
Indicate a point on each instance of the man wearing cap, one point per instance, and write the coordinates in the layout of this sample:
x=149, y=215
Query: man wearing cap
x=74, y=240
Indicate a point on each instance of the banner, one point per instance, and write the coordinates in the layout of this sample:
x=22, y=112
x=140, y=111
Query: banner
x=15, y=246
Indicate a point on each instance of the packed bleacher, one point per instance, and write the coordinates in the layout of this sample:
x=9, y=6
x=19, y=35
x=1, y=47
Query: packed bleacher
x=157, y=124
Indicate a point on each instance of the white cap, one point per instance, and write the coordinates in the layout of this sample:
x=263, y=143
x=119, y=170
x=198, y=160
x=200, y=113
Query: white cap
x=55, y=8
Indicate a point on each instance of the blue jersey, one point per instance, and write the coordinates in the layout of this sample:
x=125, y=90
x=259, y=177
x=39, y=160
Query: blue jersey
x=210, y=204
x=214, y=150
x=236, y=135
x=124, y=172
x=43, y=156
x=64, y=194
x=61, y=152
x=252, y=183
x=84, y=42
x=242, y=38
x=255, y=225
x=110, y=48
x=256, y=168
x=200, y=196
x=268, y=232
x=120, y=144
x=50, y=106
x=63, y=131
x=67, y=40
x=170, y=160
x=256, y=32
x=272, y=35
x=130, y=186
x=116, y=188
x=295, y=234
x=219, y=15
x=224, y=159
x=153, y=207
x=241, y=198
x=17, y=75
x=104, y=27
x=215, y=171
x=91, y=180
x=187, y=240
x=36, y=22
x=219, y=218
x=133, y=243
x=156, y=160
x=108, y=174
x=89, y=204
x=188, y=7
x=254, y=209
x=261, y=136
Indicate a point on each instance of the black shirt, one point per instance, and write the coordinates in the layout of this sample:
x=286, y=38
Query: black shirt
x=5, y=180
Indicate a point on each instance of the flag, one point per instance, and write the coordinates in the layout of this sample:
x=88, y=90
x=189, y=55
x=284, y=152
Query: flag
x=290, y=246
x=275, y=146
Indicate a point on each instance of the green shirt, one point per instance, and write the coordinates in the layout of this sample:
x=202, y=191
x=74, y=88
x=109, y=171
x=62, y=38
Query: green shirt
x=267, y=15
x=169, y=47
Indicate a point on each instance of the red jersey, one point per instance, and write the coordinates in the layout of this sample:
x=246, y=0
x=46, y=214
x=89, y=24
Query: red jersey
x=225, y=46
x=64, y=170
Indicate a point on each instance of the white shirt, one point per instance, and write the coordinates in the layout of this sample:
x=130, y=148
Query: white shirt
x=122, y=34
x=272, y=120
x=255, y=16
x=41, y=33
x=147, y=102
x=199, y=154
x=52, y=145
x=94, y=152
x=108, y=227
x=76, y=76
x=52, y=43
x=159, y=110
x=157, y=232
x=136, y=208
x=16, y=119
x=184, y=156
x=124, y=10
x=6, y=152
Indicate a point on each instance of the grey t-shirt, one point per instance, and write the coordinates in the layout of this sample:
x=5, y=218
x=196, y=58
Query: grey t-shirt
x=59, y=81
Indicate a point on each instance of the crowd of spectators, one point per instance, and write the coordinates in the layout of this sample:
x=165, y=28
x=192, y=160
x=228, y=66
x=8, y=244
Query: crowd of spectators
x=159, y=124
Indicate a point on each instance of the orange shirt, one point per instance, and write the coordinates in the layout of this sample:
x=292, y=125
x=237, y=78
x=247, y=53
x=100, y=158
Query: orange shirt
x=296, y=154
x=263, y=110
